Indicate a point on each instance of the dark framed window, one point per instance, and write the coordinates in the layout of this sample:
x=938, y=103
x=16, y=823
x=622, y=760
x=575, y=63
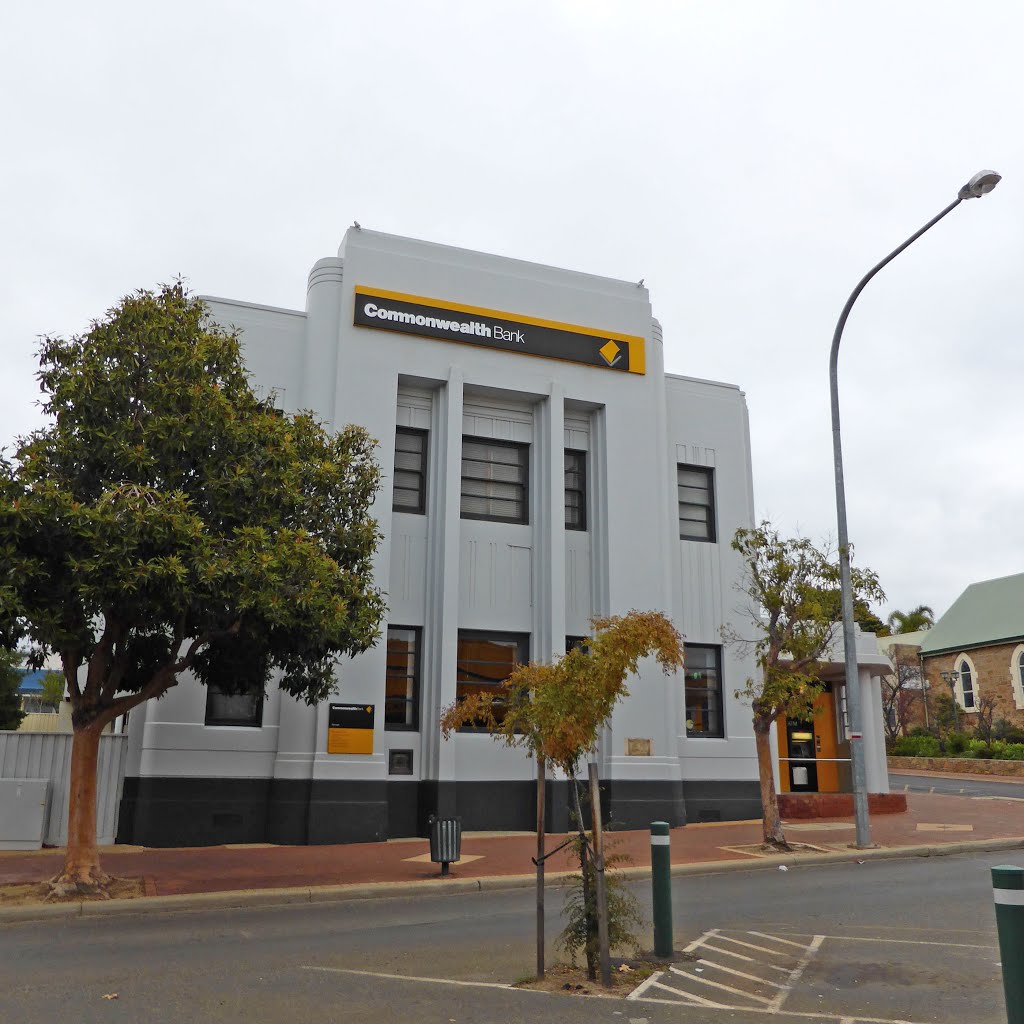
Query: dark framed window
x=495, y=478
x=572, y=642
x=410, y=491
x=402, y=679
x=696, y=486
x=486, y=660
x=575, y=490
x=703, y=674
x=239, y=708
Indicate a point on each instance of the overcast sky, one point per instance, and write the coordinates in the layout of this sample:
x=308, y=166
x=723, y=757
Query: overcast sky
x=749, y=160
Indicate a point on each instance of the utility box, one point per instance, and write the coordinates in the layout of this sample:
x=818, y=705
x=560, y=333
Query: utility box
x=23, y=810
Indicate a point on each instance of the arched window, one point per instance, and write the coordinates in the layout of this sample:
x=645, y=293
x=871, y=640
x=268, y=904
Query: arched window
x=967, y=683
x=1017, y=675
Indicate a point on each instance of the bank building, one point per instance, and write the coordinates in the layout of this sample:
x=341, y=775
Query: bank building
x=539, y=468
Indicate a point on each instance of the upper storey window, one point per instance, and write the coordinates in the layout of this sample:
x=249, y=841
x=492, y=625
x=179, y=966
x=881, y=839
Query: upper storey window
x=575, y=490
x=494, y=480
x=696, y=485
x=410, y=492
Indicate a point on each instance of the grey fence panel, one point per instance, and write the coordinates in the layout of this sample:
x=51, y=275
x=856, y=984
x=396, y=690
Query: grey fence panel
x=41, y=755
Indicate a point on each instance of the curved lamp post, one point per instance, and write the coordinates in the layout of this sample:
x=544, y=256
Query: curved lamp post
x=981, y=184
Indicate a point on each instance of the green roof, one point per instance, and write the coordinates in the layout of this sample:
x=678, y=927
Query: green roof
x=988, y=612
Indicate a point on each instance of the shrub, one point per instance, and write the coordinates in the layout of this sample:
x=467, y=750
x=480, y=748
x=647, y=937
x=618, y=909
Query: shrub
x=1009, y=751
x=1004, y=729
x=916, y=746
x=980, y=749
x=956, y=743
x=624, y=914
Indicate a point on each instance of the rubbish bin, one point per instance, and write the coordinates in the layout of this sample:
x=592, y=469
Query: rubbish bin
x=445, y=841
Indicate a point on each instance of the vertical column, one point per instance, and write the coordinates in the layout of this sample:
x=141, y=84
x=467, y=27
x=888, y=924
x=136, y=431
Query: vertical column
x=323, y=336
x=876, y=768
x=442, y=613
x=600, y=578
x=549, y=527
x=668, y=544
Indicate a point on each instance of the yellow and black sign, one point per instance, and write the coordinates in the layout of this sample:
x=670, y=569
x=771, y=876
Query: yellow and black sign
x=350, y=729
x=491, y=328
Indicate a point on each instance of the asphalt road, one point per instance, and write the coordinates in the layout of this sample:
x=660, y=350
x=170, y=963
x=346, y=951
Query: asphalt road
x=909, y=940
x=1012, y=788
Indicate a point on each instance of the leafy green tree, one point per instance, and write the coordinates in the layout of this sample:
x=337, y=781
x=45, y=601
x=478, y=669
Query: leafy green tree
x=868, y=620
x=167, y=520
x=793, y=588
x=11, y=715
x=556, y=711
x=921, y=617
x=53, y=689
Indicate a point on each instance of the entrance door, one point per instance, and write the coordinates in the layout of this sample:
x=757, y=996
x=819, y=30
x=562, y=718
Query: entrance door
x=803, y=771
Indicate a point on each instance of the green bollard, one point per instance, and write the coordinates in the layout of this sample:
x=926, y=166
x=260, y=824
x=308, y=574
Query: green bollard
x=661, y=887
x=1008, y=891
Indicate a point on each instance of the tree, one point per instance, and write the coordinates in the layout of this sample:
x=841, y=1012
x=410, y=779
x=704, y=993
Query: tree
x=795, y=610
x=11, y=715
x=868, y=620
x=921, y=617
x=53, y=689
x=556, y=711
x=901, y=689
x=167, y=520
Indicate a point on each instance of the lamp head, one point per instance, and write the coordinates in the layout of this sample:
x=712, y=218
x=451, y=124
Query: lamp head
x=981, y=184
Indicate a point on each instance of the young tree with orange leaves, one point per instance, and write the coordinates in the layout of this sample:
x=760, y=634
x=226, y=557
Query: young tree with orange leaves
x=555, y=711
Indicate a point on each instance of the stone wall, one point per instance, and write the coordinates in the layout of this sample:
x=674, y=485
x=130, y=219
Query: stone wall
x=993, y=680
x=964, y=765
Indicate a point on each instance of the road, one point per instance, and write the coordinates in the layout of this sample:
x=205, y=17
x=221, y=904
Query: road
x=979, y=787
x=892, y=940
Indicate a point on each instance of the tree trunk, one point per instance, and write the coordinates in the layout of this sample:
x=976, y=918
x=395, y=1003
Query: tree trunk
x=540, y=866
x=82, y=872
x=599, y=887
x=772, y=823
x=590, y=946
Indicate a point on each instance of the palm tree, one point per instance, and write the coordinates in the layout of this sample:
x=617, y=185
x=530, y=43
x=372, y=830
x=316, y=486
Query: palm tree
x=921, y=617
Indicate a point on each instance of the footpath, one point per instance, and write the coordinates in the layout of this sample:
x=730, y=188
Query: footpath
x=265, y=875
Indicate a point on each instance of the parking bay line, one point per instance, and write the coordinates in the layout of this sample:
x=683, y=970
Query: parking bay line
x=839, y=1018
x=408, y=977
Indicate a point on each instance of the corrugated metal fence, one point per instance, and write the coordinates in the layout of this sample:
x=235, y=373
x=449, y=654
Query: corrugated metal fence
x=27, y=755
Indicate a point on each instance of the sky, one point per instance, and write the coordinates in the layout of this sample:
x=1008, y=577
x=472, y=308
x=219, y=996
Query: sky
x=750, y=161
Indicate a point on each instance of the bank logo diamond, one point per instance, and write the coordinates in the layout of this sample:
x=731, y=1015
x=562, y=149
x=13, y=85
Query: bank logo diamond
x=610, y=352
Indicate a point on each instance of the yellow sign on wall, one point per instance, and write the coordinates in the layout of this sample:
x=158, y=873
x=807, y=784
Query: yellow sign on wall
x=350, y=729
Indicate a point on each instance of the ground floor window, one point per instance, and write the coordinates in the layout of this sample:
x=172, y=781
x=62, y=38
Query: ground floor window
x=402, y=680
x=703, y=673
x=238, y=707
x=486, y=660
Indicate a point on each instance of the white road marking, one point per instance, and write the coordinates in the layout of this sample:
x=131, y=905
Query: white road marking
x=778, y=938
x=798, y=973
x=748, y=959
x=839, y=1018
x=408, y=977
x=750, y=945
x=910, y=942
x=718, y=984
x=739, y=974
x=750, y=1003
x=691, y=998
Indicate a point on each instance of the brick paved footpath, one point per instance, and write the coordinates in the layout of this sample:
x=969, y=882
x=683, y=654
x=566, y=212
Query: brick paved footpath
x=931, y=820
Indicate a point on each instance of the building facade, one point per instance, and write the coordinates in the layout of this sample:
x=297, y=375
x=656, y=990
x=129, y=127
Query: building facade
x=540, y=468
x=975, y=652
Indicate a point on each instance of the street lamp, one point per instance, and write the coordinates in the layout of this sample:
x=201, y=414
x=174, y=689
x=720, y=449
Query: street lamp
x=981, y=184
x=950, y=679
